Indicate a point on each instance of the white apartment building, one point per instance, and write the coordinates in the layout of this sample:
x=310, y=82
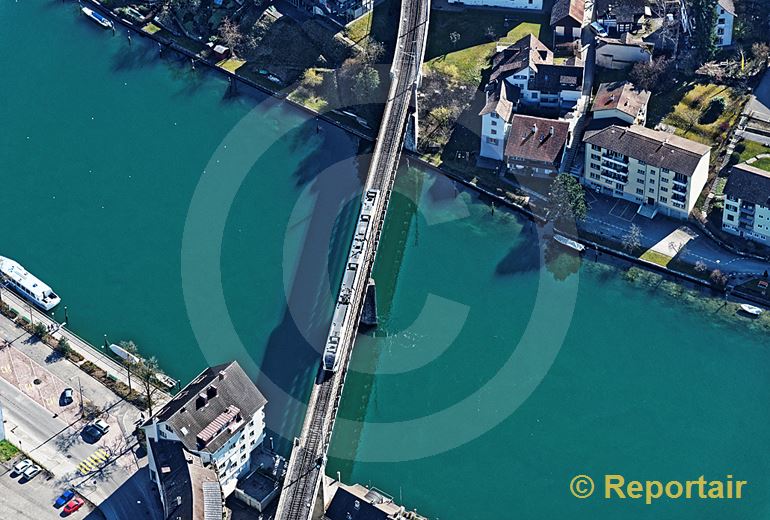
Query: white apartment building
x=513, y=4
x=659, y=171
x=747, y=203
x=215, y=422
x=725, y=21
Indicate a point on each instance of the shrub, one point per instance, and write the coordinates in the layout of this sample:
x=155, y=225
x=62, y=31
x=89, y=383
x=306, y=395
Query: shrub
x=39, y=329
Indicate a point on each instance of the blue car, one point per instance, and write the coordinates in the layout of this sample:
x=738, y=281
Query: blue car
x=64, y=498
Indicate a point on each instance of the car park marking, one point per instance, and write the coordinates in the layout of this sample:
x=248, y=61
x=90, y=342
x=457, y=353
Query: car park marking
x=93, y=462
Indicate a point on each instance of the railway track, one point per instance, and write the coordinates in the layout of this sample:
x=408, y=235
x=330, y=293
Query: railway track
x=308, y=458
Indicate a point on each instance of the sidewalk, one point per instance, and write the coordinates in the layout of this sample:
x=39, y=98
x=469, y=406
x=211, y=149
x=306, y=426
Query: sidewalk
x=88, y=351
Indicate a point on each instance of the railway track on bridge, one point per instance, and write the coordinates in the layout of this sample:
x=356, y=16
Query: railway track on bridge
x=308, y=458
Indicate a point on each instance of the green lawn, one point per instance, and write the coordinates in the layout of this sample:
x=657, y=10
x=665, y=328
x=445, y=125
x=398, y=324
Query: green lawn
x=7, y=451
x=359, y=28
x=478, y=31
x=763, y=164
x=694, y=102
x=656, y=258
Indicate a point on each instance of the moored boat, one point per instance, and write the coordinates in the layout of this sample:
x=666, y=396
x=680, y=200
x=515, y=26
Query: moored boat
x=28, y=285
x=124, y=354
x=568, y=242
x=96, y=17
x=751, y=309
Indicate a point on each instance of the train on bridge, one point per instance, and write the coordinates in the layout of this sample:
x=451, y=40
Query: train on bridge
x=355, y=275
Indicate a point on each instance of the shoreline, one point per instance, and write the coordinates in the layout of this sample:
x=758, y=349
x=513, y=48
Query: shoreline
x=413, y=156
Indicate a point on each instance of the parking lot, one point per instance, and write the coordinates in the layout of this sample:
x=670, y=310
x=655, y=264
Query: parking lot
x=34, y=498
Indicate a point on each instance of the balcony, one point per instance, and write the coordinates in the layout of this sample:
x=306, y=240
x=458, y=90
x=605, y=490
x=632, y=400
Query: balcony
x=679, y=188
x=614, y=176
x=615, y=168
x=678, y=198
x=616, y=158
x=747, y=220
x=748, y=209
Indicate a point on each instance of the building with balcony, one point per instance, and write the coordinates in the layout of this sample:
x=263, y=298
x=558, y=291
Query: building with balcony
x=536, y=146
x=661, y=172
x=747, y=203
x=620, y=102
x=524, y=76
x=213, y=424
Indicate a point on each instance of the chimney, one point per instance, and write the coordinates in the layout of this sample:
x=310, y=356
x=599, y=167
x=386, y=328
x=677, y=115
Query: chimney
x=534, y=128
x=211, y=392
x=221, y=375
x=551, y=130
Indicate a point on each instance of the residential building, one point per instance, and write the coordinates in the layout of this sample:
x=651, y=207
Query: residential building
x=567, y=20
x=621, y=16
x=356, y=502
x=725, y=21
x=524, y=76
x=513, y=4
x=535, y=145
x=622, y=52
x=622, y=103
x=340, y=10
x=218, y=419
x=660, y=171
x=747, y=203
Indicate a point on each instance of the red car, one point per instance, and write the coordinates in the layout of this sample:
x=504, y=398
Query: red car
x=73, y=505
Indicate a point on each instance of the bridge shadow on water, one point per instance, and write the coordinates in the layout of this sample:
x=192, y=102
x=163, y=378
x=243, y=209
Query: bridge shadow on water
x=293, y=351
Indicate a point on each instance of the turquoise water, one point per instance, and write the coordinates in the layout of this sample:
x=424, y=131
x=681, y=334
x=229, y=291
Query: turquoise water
x=207, y=227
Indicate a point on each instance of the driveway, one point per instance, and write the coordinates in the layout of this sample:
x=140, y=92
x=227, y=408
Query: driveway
x=760, y=101
x=613, y=218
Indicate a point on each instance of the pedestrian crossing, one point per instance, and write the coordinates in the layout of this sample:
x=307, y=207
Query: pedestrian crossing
x=97, y=459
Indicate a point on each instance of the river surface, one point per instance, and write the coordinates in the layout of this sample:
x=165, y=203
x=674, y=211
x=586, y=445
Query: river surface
x=208, y=226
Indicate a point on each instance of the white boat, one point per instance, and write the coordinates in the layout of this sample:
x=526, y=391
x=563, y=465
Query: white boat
x=28, y=285
x=124, y=354
x=167, y=381
x=568, y=242
x=96, y=17
x=750, y=309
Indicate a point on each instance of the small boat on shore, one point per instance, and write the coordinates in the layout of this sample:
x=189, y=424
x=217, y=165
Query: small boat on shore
x=28, y=285
x=167, y=381
x=568, y=242
x=96, y=17
x=751, y=309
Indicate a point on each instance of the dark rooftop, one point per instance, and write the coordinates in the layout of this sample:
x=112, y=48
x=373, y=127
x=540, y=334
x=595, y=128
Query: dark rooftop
x=659, y=149
x=568, y=9
x=537, y=140
x=526, y=52
x=212, y=407
x=749, y=183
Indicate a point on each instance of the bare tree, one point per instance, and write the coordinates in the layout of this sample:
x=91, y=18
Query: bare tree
x=130, y=360
x=230, y=33
x=700, y=266
x=632, y=239
x=147, y=371
x=454, y=37
x=373, y=51
x=718, y=278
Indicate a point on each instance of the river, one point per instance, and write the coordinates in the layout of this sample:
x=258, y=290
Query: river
x=209, y=226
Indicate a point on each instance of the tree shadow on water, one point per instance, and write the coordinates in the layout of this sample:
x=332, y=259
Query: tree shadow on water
x=524, y=256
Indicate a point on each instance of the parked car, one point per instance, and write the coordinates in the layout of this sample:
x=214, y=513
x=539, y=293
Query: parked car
x=73, y=505
x=102, y=426
x=599, y=29
x=66, y=397
x=22, y=465
x=65, y=497
x=96, y=429
x=31, y=472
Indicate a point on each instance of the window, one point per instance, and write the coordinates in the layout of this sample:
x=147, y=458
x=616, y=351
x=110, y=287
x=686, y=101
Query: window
x=640, y=181
x=594, y=166
x=652, y=181
x=721, y=21
x=731, y=217
x=494, y=131
x=642, y=162
x=494, y=115
x=639, y=191
x=652, y=190
x=618, y=186
x=664, y=180
x=720, y=31
x=663, y=188
x=534, y=95
x=494, y=123
x=663, y=199
x=491, y=140
x=640, y=171
x=677, y=205
x=594, y=176
x=596, y=157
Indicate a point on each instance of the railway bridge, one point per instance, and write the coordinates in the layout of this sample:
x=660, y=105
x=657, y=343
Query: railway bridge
x=397, y=129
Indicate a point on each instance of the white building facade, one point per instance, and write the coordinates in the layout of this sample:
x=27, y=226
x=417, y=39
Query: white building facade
x=219, y=418
x=747, y=203
x=725, y=22
x=659, y=171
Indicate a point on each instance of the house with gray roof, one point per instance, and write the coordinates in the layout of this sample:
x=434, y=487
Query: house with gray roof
x=662, y=172
x=218, y=420
x=747, y=203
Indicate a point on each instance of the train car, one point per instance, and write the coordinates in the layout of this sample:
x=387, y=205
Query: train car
x=352, y=280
